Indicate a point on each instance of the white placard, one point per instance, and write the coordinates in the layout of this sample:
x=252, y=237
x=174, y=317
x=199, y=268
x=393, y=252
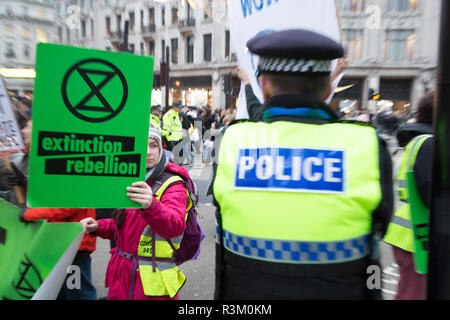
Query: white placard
x=247, y=18
x=10, y=136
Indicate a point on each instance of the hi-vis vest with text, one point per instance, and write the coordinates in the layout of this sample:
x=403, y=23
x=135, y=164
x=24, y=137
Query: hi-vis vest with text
x=165, y=279
x=399, y=232
x=172, y=126
x=296, y=192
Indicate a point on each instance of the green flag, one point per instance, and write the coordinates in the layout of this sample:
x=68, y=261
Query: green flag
x=29, y=252
x=419, y=221
x=91, y=112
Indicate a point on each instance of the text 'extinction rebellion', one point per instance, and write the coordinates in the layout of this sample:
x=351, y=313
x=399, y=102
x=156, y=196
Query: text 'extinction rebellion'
x=93, y=155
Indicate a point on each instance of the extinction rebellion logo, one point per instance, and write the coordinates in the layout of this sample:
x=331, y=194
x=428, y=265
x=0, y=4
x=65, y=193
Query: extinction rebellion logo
x=93, y=90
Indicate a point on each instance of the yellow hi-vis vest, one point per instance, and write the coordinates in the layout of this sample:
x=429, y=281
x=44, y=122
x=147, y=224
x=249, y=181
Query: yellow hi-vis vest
x=399, y=232
x=298, y=193
x=165, y=279
x=155, y=122
x=172, y=127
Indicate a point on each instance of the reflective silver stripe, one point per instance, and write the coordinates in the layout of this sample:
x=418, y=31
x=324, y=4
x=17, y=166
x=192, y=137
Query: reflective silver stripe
x=297, y=251
x=148, y=233
x=405, y=223
x=159, y=264
x=402, y=183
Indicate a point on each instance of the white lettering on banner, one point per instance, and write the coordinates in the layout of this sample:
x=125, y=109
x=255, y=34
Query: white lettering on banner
x=257, y=4
x=290, y=169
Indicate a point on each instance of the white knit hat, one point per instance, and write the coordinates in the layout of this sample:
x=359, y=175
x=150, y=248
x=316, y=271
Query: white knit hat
x=153, y=133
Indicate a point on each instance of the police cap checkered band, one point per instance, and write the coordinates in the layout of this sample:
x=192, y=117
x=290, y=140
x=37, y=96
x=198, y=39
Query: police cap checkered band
x=269, y=64
x=295, y=50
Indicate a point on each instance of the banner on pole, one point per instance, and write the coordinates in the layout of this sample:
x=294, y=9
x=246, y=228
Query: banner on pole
x=248, y=18
x=91, y=115
x=29, y=253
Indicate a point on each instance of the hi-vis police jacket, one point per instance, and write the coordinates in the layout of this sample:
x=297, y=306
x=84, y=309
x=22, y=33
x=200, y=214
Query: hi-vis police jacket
x=297, y=195
x=400, y=233
x=172, y=126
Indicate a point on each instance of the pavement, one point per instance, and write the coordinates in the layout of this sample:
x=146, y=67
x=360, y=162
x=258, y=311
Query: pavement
x=200, y=273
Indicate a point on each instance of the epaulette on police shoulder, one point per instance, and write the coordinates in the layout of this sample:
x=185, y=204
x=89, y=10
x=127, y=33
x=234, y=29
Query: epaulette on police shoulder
x=240, y=121
x=351, y=121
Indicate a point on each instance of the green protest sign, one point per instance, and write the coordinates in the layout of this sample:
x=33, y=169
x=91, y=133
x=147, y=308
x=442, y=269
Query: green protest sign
x=29, y=252
x=91, y=114
x=419, y=221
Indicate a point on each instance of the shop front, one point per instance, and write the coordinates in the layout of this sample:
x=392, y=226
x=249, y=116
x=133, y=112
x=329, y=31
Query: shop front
x=191, y=91
x=348, y=95
x=395, y=95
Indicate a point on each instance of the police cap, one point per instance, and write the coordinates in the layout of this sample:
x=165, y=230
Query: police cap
x=295, y=51
x=156, y=108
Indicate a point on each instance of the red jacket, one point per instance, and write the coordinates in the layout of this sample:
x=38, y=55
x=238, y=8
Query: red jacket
x=65, y=215
x=165, y=217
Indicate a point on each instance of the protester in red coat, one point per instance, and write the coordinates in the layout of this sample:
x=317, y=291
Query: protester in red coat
x=166, y=217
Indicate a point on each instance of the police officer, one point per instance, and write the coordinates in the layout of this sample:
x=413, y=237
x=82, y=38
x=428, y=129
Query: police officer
x=172, y=126
x=417, y=139
x=155, y=117
x=299, y=195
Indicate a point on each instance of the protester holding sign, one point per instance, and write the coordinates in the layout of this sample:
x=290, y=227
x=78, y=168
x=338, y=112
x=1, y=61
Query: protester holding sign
x=142, y=235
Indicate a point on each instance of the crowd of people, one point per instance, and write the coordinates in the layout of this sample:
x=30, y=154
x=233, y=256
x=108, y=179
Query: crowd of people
x=194, y=127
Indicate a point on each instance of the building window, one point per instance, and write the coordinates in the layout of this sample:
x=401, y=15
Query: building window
x=131, y=16
x=190, y=49
x=174, y=45
x=83, y=29
x=163, y=16
x=26, y=50
x=227, y=45
x=402, y=5
x=108, y=26
x=41, y=36
x=67, y=35
x=119, y=22
x=175, y=14
x=207, y=8
x=399, y=45
x=207, y=47
x=353, y=43
x=151, y=48
x=27, y=34
x=351, y=5
x=163, y=50
x=151, y=16
x=10, y=53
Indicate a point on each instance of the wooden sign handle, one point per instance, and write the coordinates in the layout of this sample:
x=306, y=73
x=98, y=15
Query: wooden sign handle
x=17, y=190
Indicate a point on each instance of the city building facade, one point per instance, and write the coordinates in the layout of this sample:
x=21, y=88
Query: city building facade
x=392, y=45
x=24, y=24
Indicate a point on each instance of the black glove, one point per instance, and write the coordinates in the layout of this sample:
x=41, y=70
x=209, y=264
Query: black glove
x=21, y=216
x=16, y=178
